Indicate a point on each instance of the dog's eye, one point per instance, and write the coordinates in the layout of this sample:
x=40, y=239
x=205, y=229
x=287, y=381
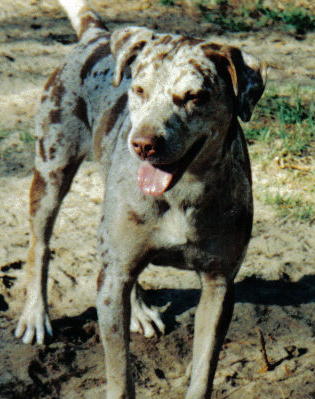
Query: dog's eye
x=198, y=99
x=138, y=90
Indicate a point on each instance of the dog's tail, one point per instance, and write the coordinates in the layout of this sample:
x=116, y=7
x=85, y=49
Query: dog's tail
x=81, y=16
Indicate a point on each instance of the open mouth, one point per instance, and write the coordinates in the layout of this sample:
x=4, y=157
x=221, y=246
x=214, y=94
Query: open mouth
x=155, y=179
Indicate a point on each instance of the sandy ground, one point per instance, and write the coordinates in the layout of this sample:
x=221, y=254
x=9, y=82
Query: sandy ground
x=275, y=290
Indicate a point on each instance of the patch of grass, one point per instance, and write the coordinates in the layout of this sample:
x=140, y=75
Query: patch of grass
x=291, y=19
x=26, y=137
x=287, y=109
x=225, y=16
x=288, y=206
x=4, y=134
x=242, y=19
x=254, y=134
x=285, y=123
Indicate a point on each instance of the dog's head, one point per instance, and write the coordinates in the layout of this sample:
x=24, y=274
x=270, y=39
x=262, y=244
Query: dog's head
x=184, y=92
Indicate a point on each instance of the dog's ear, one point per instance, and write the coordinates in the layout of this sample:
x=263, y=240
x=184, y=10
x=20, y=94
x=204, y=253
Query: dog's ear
x=248, y=77
x=245, y=72
x=125, y=45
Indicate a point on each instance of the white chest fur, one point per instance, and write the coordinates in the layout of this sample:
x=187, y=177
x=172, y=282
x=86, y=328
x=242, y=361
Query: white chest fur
x=174, y=228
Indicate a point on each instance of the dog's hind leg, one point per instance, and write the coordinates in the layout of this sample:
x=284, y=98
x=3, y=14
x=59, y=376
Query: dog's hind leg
x=144, y=320
x=46, y=193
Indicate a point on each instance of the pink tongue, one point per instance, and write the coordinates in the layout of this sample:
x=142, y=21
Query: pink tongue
x=153, y=181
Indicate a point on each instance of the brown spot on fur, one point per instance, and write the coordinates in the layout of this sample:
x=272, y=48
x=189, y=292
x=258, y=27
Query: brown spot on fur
x=164, y=39
x=98, y=54
x=100, y=279
x=55, y=116
x=135, y=218
x=180, y=41
x=68, y=173
x=38, y=190
x=90, y=19
x=205, y=72
x=107, y=301
x=43, y=98
x=52, y=151
x=226, y=70
x=98, y=37
x=192, y=41
x=161, y=56
x=108, y=122
x=119, y=43
x=80, y=111
x=211, y=46
x=55, y=177
x=45, y=124
x=178, y=100
x=114, y=328
x=52, y=78
x=58, y=92
x=62, y=177
x=42, y=152
x=198, y=98
x=140, y=68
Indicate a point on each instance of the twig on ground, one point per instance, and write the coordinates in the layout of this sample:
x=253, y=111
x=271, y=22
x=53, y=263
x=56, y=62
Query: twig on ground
x=267, y=363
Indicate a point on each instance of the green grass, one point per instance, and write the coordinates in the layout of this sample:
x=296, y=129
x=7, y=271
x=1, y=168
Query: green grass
x=242, y=19
x=225, y=17
x=4, y=134
x=282, y=141
x=26, y=137
x=286, y=123
x=289, y=206
x=292, y=19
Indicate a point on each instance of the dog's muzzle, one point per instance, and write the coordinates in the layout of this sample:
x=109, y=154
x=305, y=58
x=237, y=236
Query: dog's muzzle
x=153, y=178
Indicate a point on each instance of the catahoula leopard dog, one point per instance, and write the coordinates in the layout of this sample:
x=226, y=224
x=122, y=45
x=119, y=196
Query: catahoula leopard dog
x=161, y=113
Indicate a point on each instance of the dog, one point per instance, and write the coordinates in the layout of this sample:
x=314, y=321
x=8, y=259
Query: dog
x=161, y=114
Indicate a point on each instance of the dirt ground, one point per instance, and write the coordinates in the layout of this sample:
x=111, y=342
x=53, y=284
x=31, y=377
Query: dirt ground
x=275, y=290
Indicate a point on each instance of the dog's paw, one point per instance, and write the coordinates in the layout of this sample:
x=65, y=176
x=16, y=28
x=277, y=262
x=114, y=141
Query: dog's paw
x=34, y=323
x=145, y=321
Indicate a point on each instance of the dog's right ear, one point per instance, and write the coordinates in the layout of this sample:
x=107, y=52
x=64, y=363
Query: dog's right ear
x=125, y=45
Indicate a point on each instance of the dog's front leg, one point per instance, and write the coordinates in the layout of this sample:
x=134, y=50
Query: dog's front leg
x=113, y=308
x=212, y=319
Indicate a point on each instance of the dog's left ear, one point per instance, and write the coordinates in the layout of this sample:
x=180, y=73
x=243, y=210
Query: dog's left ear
x=249, y=77
x=125, y=45
x=247, y=74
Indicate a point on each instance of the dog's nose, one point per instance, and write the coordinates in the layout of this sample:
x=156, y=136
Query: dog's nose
x=145, y=147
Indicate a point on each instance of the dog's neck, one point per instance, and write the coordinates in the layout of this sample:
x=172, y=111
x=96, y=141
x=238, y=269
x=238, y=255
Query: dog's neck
x=216, y=152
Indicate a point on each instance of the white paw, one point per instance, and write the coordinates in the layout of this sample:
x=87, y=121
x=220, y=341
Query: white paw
x=144, y=320
x=34, y=322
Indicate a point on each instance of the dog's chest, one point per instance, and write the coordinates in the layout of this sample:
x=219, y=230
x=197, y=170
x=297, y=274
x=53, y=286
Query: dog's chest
x=174, y=228
x=178, y=225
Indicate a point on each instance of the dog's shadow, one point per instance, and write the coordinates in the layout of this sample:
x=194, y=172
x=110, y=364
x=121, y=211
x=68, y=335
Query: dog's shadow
x=251, y=290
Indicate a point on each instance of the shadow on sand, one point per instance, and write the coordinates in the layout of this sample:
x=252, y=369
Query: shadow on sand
x=250, y=290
